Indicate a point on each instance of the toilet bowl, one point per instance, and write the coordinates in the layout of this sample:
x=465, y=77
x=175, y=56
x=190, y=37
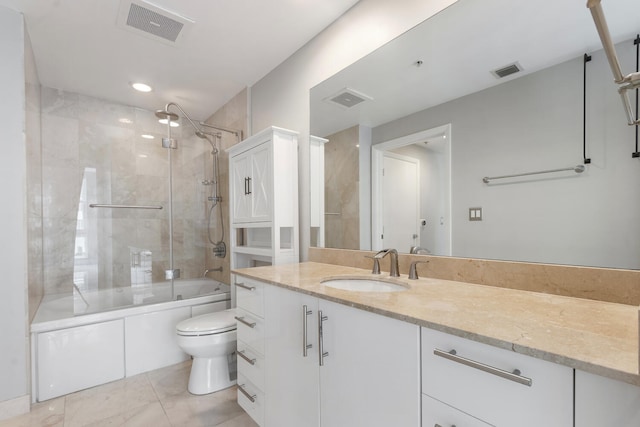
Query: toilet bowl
x=211, y=340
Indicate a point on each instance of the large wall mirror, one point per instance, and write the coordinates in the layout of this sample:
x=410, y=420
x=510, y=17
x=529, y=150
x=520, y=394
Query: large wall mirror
x=402, y=139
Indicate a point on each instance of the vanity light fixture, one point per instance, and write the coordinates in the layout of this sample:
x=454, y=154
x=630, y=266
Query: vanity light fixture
x=141, y=87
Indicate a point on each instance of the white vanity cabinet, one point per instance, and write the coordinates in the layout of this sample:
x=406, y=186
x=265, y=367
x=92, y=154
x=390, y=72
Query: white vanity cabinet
x=251, y=346
x=605, y=402
x=292, y=378
x=496, y=386
x=263, y=189
x=368, y=376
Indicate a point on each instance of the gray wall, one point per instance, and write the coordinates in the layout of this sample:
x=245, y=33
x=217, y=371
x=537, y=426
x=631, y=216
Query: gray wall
x=535, y=123
x=13, y=230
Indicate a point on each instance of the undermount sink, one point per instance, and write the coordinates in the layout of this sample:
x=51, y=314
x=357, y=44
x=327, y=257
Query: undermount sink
x=364, y=284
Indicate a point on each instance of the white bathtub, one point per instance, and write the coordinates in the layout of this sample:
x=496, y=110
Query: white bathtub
x=71, y=352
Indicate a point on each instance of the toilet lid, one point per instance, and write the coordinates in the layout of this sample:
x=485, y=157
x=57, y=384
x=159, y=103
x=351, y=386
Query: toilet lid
x=207, y=324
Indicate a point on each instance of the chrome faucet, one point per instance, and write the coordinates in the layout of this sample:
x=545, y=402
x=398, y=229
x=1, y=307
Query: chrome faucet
x=419, y=250
x=393, y=266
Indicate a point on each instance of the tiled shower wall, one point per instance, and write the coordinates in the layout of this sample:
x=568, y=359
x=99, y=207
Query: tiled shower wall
x=99, y=142
x=341, y=176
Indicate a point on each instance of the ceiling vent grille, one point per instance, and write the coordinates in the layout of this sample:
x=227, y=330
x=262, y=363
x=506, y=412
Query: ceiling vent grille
x=152, y=21
x=507, y=70
x=347, y=98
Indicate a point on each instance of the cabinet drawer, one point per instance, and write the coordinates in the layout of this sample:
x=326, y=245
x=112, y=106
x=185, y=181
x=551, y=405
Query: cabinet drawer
x=251, y=365
x=250, y=295
x=251, y=399
x=250, y=330
x=470, y=381
x=436, y=413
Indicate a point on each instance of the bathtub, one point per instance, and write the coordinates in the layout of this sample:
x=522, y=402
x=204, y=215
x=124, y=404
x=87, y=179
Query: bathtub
x=79, y=342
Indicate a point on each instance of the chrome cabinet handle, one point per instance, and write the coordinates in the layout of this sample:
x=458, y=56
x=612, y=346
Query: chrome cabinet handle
x=305, y=346
x=241, y=320
x=321, y=353
x=243, y=286
x=511, y=376
x=244, y=356
x=251, y=397
x=438, y=425
x=249, y=185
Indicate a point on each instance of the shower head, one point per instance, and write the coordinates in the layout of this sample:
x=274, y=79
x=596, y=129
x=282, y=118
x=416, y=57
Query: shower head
x=164, y=114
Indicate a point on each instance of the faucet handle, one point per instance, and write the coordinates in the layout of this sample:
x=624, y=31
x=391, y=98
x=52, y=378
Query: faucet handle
x=413, y=271
x=376, y=264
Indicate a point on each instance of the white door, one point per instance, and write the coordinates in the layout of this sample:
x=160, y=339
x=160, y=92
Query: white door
x=400, y=202
x=371, y=375
x=292, y=384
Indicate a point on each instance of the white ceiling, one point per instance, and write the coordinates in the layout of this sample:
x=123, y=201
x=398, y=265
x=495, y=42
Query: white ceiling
x=233, y=43
x=459, y=47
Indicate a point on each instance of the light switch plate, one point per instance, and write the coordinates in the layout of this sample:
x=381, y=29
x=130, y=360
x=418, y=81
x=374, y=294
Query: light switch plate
x=475, y=214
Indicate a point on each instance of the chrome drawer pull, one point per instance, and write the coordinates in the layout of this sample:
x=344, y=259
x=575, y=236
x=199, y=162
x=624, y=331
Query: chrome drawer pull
x=512, y=376
x=244, y=356
x=243, y=286
x=438, y=425
x=241, y=320
x=251, y=397
x=305, y=347
x=321, y=353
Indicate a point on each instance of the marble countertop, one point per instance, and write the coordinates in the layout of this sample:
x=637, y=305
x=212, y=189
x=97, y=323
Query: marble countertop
x=593, y=336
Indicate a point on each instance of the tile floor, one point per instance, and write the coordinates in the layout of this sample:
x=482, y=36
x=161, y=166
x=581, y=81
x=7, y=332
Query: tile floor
x=157, y=398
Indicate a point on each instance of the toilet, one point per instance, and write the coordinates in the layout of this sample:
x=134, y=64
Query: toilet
x=211, y=340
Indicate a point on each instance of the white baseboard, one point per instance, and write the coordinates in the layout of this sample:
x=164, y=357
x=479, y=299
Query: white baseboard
x=14, y=407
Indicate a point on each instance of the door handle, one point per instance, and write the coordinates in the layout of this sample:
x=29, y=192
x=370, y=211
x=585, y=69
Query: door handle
x=249, y=185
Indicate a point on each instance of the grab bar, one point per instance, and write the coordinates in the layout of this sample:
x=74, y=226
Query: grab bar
x=576, y=169
x=97, y=205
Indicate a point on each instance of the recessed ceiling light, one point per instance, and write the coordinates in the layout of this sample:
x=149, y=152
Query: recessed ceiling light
x=141, y=87
x=142, y=156
x=147, y=136
x=173, y=124
x=125, y=120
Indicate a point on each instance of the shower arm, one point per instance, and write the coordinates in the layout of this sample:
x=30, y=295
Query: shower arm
x=631, y=81
x=184, y=114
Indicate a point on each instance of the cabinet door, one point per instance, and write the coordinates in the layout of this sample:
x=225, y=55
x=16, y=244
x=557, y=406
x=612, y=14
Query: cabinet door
x=292, y=387
x=605, y=402
x=260, y=183
x=371, y=375
x=240, y=172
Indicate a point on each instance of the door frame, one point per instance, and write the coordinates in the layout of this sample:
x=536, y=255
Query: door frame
x=377, y=160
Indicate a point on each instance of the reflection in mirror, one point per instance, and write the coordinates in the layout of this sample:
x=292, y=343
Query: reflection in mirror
x=440, y=74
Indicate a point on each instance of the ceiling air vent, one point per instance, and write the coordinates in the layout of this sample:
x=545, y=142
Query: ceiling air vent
x=507, y=70
x=347, y=98
x=152, y=21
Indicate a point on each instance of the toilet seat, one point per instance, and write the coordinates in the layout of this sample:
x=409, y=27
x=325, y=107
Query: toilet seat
x=208, y=324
